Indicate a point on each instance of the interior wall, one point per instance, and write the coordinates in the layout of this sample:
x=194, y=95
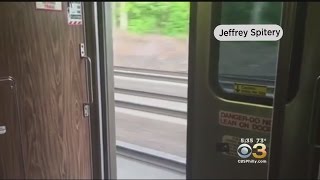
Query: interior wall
x=41, y=52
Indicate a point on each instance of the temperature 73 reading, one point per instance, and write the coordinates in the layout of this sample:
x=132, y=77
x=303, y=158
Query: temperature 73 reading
x=261, y=140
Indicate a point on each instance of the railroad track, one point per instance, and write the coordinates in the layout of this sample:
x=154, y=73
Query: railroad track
x=162, y=92
x=163, y=87
x=157, y=75
x=182, y=77
x=151, y=156
x=181, y=73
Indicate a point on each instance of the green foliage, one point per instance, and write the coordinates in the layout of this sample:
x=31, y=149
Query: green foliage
x=172, y=18
x=236, y=12
x=272, y=13
x=252, y=13
x=247, y=12
x=168, y=18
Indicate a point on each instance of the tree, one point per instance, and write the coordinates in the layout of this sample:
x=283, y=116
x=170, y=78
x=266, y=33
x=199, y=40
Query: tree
x=167, y=18
x=123, y=16
x=114, y=14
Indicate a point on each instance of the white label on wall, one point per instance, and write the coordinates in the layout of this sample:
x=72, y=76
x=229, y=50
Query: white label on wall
x=74, y=13
x=53, y=6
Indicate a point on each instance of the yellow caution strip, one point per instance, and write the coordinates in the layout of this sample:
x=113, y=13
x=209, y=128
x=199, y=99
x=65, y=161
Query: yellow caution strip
x=250, y=89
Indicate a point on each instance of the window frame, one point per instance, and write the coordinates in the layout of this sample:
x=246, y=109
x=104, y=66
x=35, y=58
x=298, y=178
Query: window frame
x=214, y=60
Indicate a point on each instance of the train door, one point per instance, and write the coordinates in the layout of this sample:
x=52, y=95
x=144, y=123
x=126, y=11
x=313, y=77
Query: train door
x=231, y=89
x=40, y=50
x=11, y=153
x=295, y=130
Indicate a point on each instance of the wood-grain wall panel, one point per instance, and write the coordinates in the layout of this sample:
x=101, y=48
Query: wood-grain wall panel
x=41, y=51
x=10, y=142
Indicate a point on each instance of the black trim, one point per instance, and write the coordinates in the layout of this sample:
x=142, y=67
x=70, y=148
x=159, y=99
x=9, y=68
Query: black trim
x=104, y=88
x=290, y=21
x=191, y=83
x=89, y=34
x=297, y=52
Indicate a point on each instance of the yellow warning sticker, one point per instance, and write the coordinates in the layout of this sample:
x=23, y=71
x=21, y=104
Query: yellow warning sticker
x=250, y=89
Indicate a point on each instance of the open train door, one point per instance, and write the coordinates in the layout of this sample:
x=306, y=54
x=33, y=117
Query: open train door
x=231, y=89
x=44, y=92
x=295, y=129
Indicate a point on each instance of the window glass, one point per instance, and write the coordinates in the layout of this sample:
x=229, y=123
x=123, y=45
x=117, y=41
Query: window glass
x=249, y=62
x=150, y=56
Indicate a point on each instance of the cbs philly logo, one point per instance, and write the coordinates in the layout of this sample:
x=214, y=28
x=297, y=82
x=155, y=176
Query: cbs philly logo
x=258, y=151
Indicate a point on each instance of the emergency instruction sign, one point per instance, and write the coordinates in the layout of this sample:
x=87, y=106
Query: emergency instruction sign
x=244, y=121
x=74, y=13
x=250, y=89
x=53, y=6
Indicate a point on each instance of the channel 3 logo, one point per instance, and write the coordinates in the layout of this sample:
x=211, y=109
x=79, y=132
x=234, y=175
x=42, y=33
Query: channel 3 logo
x=245, y=151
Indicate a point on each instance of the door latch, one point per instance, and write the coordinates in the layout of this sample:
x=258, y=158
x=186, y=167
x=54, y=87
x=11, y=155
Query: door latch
x=3, y=130
x=222, y=147
x=82, y=50
x=86, y=110
x=86, y=106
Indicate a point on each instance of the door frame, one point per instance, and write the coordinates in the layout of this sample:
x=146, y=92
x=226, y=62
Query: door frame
x=287, y=10
x=191, y=82
x=98, y=35
x=296, y=123
x=288, y=51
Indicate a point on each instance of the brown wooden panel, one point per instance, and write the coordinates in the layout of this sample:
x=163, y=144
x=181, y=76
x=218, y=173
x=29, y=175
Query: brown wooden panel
x=41, y=51
x=10, y=142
